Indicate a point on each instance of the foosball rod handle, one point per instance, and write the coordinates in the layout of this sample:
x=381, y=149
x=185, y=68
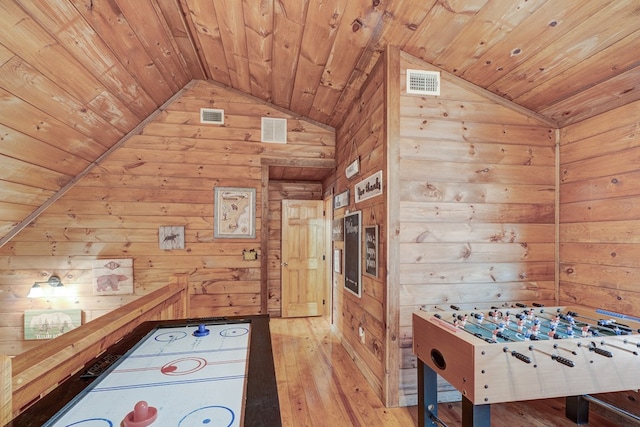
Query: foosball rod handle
x=521, y=357
x=601, y=352
x=563, y=360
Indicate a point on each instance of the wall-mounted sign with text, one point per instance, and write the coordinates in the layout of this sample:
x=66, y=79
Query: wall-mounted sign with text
x=368, y=188
x=341, y=200
x=353, y=168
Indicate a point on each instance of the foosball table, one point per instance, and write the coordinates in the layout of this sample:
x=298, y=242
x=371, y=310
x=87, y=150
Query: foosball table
x=507, y=354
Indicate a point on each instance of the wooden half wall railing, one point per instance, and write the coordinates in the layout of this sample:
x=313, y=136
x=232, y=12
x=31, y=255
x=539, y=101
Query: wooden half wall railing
x=27, y=377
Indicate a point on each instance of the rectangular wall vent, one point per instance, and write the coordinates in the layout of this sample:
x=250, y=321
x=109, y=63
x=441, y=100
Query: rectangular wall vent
x=274, y=130
x=212, y=116
x=423, y=82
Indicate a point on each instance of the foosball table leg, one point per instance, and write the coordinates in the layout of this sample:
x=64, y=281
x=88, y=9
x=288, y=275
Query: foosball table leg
x=475, y=415
x=577, y=409
x=427, y=395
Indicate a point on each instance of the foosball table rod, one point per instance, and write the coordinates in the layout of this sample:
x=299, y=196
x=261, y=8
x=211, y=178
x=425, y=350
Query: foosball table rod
x=577, y=409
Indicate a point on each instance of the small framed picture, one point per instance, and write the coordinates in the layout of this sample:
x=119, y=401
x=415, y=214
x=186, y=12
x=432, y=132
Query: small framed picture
x=234, y=213
x=171, y=237
x=337, y=261
x=371, y=250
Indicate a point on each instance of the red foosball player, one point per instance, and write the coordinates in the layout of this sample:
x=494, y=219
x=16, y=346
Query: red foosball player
x=530, y=315
x=585, y=331
x=520, y=323
x=535, y=328
x=463, y=321
x=552, y=332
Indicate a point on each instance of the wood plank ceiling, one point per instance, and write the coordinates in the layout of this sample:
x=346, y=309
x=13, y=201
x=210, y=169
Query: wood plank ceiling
x=76, y=76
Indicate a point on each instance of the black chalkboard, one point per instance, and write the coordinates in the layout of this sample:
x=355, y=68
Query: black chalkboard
x=352, y=253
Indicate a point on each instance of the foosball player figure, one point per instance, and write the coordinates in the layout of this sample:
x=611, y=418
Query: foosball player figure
x=585, y=331
x=552, y=332
x=569, y=318
x=520, y=322
x=463, y=320
x=530, y=315
x=569, y=331
x=536, y=327
x=494, y=315
x=507, y=319
x=495, y=334
x=480, y=318
x=555, y=322
x=501, y=327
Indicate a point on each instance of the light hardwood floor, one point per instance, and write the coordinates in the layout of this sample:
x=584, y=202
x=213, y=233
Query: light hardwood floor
x=319, y=385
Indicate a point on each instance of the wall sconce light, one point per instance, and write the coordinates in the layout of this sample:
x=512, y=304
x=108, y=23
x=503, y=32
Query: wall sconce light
x=53, y=281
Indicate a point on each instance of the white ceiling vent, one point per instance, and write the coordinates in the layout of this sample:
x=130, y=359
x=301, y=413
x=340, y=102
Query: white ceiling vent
x=423, y=82
x=274, y=130
x=212, y=116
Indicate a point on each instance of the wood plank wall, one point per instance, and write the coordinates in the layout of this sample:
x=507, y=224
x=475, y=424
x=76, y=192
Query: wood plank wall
x=279, y=191
x=164, y=176
x=362, y=134
x=477, y=192
x=600, y=211
x=600, y=219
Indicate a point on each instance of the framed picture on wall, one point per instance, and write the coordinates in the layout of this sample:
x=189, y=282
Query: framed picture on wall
x=47, y=324
x=352, y=253
x=337, y=230
x=234, y=213
x=113, y=276
x=337, y=261
x=371, y=250
x=341, y=200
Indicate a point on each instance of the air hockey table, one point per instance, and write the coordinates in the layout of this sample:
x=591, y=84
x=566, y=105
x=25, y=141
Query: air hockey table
x=203, y=372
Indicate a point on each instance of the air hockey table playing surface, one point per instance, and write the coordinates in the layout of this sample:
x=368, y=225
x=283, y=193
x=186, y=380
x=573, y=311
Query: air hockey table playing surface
x=189, y=373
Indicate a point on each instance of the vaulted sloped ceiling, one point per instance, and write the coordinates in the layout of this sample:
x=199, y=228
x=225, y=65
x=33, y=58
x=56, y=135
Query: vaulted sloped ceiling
x=76, y=76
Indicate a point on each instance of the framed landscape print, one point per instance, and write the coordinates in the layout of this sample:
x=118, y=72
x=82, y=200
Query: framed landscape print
x=47, y=324
x=234, y=213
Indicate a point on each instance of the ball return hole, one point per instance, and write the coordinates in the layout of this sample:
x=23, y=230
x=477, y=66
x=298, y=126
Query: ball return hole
x=438, y=359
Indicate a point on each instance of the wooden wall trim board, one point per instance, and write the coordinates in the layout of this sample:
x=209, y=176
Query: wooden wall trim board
x=6, y=395
x=264, y=243
x=556, y=204
x=393, y=192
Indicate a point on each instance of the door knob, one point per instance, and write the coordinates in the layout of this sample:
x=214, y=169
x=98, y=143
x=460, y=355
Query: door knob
x=284, y=264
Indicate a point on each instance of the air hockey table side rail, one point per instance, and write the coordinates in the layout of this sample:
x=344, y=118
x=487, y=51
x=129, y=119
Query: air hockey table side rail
x=261, y=394
x=488, y=373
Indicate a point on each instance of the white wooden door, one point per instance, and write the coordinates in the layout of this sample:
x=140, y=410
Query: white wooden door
x=303, y=257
